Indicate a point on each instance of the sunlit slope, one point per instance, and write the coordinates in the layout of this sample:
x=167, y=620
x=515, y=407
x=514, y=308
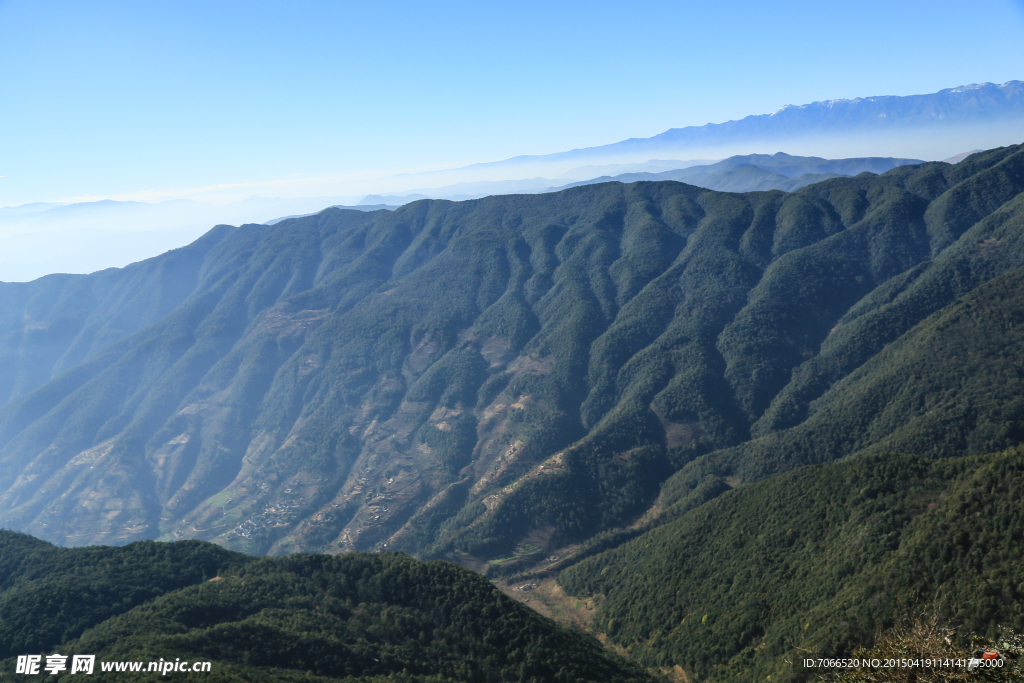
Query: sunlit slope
x=396, y=379
x=816, y=559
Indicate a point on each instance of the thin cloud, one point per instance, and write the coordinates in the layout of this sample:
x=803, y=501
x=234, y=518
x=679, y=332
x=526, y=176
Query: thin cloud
x=156, y=195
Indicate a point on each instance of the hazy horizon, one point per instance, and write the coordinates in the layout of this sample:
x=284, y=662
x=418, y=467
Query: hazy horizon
x=124, y=101
x=249, y=112
x=921, y=144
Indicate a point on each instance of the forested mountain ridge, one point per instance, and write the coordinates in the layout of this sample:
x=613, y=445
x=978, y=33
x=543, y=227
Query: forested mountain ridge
x=461, y=377
x=357, y=618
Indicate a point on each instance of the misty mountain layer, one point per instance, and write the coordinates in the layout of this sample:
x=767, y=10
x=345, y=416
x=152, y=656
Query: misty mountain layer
x=758, y=172
x=951, y=112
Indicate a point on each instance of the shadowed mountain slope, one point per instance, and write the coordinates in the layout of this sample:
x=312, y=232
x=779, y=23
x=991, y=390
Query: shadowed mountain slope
x=457, y=378
x=59, y=321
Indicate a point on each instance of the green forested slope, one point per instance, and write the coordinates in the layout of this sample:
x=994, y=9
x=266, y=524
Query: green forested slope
x=371, y=617
x=50, y=595
x=461, y=377
x=952, y=385
x=816, y=559
x=974, y=232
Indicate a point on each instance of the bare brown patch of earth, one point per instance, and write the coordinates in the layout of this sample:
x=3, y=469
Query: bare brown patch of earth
x=652, y=513
x=987, y=248
x=534, y=365
x=423, y=354
x=676, y=674
x=495, y=350
x=522, y=402
x=546, y=597
x=678, y=433
x=279, y=320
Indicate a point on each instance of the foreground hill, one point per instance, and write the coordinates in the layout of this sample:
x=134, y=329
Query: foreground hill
x=49, y=595
x=514, y=373
x=374, y=618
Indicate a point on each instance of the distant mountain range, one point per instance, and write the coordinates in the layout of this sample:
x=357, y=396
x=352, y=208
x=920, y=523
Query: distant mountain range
x=470, y=190
x=999, y=108
x=752, y=172
x=957, y=158
x=740, y=173
x=650, y=166
x=358, y=207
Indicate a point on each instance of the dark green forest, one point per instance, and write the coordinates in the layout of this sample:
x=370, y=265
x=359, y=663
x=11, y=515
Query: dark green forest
x=50, y=595
x=359, y=617
x=817, y=559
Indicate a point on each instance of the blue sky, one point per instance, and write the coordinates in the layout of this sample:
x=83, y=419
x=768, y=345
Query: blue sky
x=154, y=100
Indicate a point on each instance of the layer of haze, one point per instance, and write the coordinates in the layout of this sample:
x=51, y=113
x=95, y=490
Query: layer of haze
x=155, y=100
x=220, y=102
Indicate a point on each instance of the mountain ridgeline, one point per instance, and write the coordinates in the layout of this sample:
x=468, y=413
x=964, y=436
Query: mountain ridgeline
x=993, y=111
x=756, y=172
x=514, y=373
x=739, y=173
